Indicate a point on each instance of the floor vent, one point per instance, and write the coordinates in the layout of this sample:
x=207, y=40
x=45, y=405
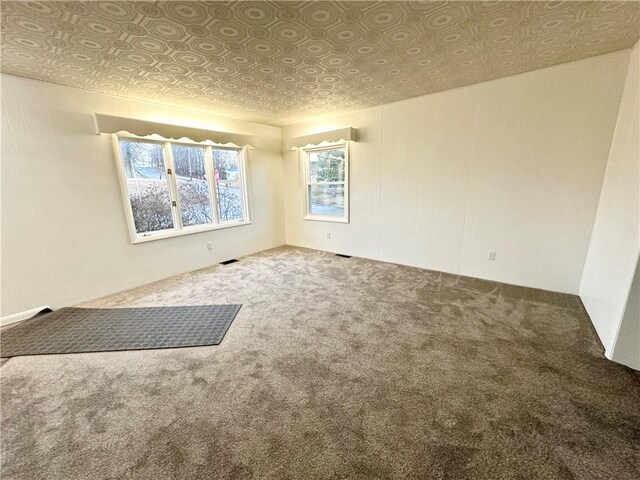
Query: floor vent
x=227, y=262
x=343, y=256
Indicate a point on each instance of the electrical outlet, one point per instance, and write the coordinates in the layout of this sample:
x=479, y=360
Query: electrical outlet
x=328, y=236
x=209, y=246
x=491, y=256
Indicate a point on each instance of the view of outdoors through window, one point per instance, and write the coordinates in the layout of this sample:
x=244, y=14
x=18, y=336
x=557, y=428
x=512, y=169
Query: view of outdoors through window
x=326, y=182
x=147, y=185
x=228, y=184
x=193, y=188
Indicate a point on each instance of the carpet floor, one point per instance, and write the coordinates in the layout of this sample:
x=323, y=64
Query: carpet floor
x=334, y=368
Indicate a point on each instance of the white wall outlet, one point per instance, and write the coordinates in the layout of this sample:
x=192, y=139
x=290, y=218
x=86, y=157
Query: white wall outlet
x=209, y=246
x=491, y=256
x=328, y=236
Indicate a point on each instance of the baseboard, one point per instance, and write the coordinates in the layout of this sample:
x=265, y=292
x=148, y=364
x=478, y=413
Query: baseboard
x=20, y=316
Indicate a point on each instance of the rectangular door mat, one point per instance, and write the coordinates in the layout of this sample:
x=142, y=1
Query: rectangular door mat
x=76, y=330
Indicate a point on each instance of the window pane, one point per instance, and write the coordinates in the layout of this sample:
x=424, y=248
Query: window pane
x=326, y=200
x=228, y=184
x=326, y=166
x=193, y=188
x=147, y=185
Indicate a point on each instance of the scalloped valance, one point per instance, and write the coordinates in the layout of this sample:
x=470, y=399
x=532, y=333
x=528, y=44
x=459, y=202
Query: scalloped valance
x=333, y=136
x=142, y=128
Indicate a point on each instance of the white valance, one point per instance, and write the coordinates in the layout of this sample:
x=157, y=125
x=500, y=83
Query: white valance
x=143, y=128
x=341, y=135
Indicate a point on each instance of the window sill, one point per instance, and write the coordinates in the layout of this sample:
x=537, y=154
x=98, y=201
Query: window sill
x=186, y=231
x=326, y=218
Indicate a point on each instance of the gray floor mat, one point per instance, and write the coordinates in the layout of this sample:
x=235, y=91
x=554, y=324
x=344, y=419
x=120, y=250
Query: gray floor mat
x=76, y=330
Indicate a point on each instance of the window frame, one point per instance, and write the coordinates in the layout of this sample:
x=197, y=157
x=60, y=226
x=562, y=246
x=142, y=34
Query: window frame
x=305, y=158
x=178, y=229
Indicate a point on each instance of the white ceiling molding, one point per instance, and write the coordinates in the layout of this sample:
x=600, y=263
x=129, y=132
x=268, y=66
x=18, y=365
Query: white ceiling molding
x=316, y=139
x=142, y=128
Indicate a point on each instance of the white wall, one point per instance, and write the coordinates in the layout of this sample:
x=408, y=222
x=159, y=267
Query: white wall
x=615, y=243
x=513, y=165
x=64, y=232
x=626, y=349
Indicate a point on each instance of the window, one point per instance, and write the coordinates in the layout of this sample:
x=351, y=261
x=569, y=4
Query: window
x=174, y=188
x=228, y=185
x=326, y=173
x=193, y=185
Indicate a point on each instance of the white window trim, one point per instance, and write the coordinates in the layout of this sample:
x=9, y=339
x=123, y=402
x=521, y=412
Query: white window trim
x=304, y=159
x=179, y=230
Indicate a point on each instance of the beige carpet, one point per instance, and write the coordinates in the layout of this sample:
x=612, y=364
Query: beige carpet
x=334, y=369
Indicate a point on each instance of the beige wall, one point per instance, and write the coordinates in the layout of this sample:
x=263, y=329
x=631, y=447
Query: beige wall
x=64, y=232
x=513, y=165
x=615, y=243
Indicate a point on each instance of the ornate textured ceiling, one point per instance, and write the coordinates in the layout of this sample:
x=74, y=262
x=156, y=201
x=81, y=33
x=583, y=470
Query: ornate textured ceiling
x=281, y=62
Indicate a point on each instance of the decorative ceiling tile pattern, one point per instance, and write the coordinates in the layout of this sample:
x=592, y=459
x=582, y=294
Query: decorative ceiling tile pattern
x=282, y=62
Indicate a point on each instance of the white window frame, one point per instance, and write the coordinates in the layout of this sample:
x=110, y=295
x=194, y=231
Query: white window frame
x=178, y=229
x=306, y=181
